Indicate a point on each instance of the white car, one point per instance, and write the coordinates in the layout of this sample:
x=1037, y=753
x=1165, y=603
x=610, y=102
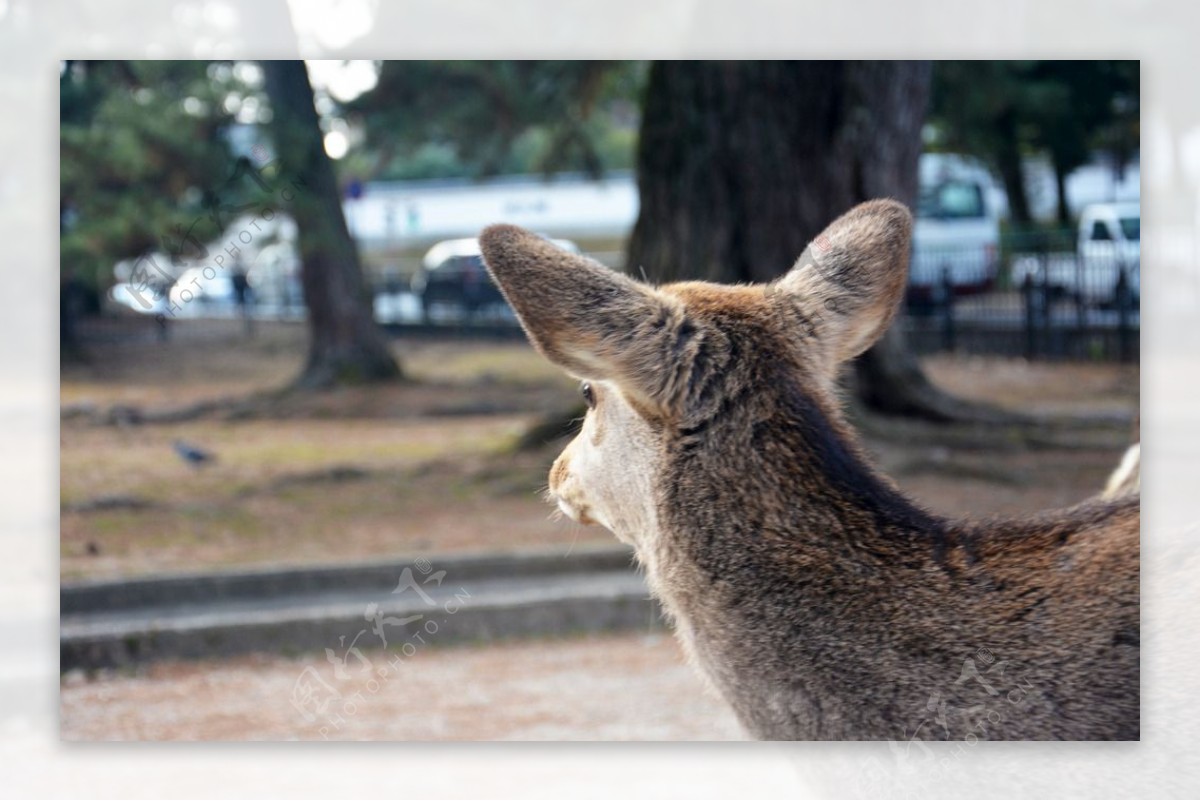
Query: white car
x=453, y=277
x=1109, y=242
x=195, y=290
x=140, y=298
x=956, y=234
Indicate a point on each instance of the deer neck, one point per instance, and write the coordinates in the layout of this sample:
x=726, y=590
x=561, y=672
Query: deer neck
x=765, y=547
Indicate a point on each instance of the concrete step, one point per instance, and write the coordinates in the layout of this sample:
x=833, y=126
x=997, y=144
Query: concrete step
x=88, y=597
x=400, y=606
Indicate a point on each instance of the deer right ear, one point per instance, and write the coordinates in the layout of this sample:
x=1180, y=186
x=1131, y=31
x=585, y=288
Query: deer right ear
x=847, y=285
x=591, y=321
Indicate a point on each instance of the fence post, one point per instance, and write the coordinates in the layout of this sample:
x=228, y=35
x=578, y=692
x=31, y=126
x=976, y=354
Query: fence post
x=1081, y=278
x=947, y=309
x=1123, y=302
x=1028, y=294
x=1046, y=302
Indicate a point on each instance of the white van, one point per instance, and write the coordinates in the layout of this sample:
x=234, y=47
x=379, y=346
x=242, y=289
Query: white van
x=957, y=228
x=1108, y=241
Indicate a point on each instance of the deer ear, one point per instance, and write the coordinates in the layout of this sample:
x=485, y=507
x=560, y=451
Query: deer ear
x=591, y=321
x=846, y=286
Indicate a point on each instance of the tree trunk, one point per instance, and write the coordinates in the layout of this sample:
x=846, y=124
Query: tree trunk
x=345, y=344
x=1008, y=163
x=889, y=380
x=741, y=164
x=1060, y=188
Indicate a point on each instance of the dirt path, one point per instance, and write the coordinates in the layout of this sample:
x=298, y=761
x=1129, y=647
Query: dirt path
x=605, y=688
x=387, y=473
x=414, y=469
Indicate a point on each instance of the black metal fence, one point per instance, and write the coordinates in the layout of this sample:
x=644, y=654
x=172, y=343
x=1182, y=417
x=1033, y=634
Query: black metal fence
x=1040, y=296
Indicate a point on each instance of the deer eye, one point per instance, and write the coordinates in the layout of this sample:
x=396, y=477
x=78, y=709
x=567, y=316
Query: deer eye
x=589, y=396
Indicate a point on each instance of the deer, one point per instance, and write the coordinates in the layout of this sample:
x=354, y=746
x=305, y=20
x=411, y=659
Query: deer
x=810, y=593
x=1127, y=478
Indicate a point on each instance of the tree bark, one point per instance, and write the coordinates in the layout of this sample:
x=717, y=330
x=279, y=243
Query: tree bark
x=1008, y=163
x=345, y=344
x=741, y=164
x=1060, y=188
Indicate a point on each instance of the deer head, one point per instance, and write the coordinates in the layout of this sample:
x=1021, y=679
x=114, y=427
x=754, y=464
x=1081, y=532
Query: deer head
x=661, y=363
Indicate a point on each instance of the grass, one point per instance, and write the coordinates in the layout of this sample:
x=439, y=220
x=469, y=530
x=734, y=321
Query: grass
x=336, y=476
x=426, y=466
x=296, y=491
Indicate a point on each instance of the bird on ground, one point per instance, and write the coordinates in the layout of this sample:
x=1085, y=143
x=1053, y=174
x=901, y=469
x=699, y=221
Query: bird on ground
x=196, y=457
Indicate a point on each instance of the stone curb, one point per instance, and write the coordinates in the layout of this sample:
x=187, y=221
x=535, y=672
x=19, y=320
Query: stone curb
x=479, y=599
x=89, y=597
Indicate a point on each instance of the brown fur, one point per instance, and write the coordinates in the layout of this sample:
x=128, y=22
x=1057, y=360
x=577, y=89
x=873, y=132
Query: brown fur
x=816, y=598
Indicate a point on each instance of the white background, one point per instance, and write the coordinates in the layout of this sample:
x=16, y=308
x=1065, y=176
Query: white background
x=34, y=34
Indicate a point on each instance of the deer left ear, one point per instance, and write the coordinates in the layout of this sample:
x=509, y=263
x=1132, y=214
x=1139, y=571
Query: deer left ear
x=591, y=321
x=848, y=283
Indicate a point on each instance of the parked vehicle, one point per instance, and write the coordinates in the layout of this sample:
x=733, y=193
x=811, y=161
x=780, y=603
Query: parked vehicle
x=143, y=298
x=1110, y=240
x=453, y=279
x=1108, y=244
x=956, y=233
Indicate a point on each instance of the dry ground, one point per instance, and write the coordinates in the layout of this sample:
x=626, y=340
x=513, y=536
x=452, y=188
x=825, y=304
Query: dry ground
x=631, y=687
x=428, y=465
x=422, y=467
